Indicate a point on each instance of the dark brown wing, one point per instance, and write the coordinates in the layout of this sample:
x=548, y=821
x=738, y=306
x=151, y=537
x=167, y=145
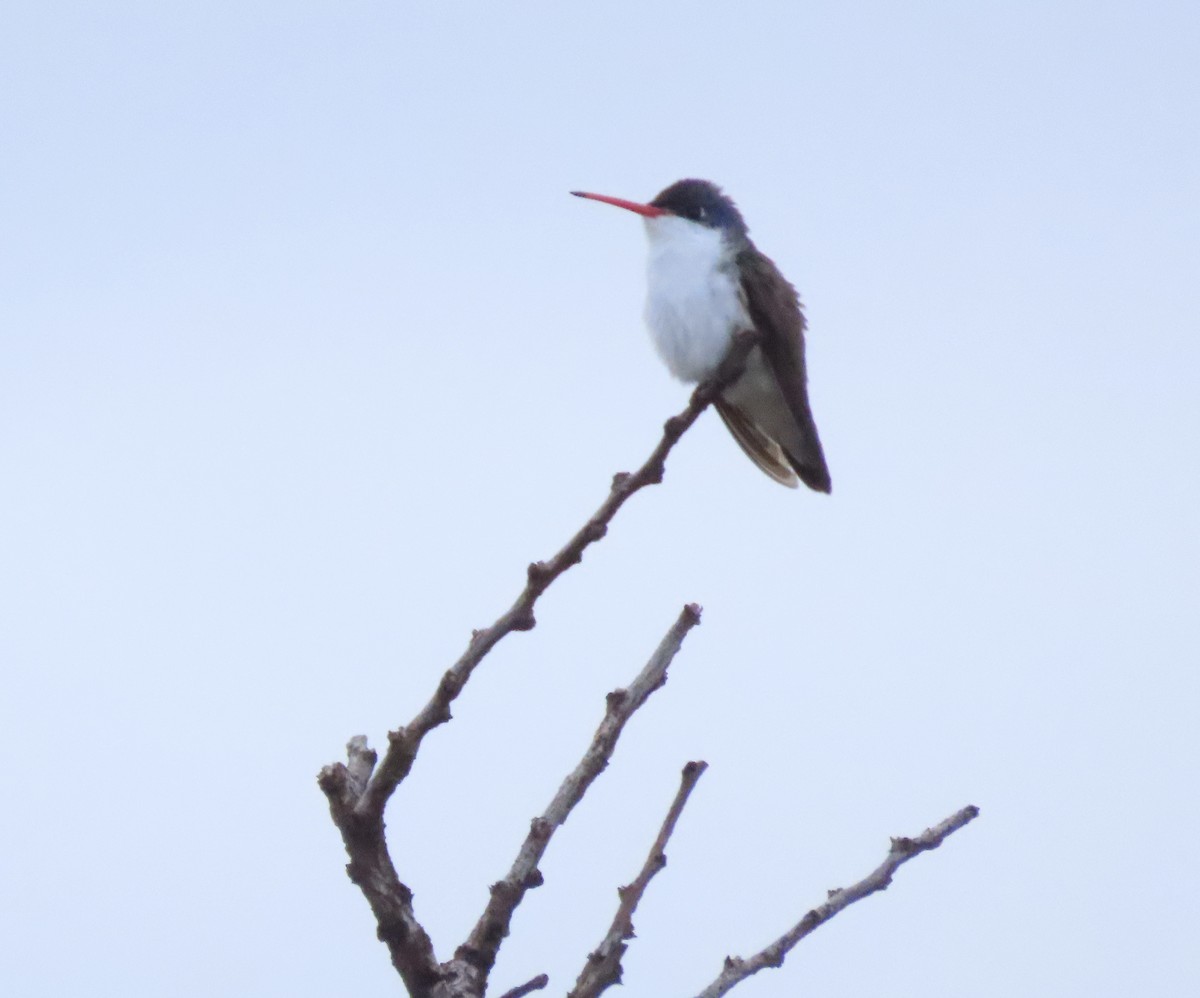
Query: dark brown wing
x=774, y=309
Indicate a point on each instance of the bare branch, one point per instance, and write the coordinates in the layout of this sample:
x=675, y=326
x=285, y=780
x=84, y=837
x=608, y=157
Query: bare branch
x=536, y=984
x=737, y=970
x=603, y=967
x=404, y=743
x=480, y=949
x=358, y=791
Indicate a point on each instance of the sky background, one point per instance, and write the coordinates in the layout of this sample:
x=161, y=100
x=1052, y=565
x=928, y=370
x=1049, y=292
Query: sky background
x=306, y=353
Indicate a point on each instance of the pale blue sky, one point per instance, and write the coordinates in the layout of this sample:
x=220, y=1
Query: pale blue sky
x=307, y=352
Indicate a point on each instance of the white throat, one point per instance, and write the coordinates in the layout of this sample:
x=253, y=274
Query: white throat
x=693, y=298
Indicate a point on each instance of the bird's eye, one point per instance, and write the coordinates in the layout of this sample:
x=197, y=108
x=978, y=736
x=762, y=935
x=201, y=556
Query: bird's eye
x=700, y=213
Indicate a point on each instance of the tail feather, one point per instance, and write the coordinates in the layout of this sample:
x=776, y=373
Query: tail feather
x=807, y=463
x=760, y=448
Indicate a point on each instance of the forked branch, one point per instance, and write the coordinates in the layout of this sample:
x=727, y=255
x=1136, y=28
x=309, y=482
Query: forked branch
x=358, y=790
x=479, y=951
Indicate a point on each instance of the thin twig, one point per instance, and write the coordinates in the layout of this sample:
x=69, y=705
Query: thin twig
x=480, y=949
x=603, y=968
x=737, y=969
x=536, y=984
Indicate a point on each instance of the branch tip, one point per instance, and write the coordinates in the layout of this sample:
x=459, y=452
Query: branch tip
x=536, y=984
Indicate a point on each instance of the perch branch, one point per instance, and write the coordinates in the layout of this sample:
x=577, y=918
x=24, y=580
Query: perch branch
x=404, y=743
x=478, y=953
x=737, y=969
x=603, y=967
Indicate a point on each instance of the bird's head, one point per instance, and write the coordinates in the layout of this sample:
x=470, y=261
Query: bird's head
x=698, y=201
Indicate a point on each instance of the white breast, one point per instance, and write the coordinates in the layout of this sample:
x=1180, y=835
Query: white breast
x=693, y=300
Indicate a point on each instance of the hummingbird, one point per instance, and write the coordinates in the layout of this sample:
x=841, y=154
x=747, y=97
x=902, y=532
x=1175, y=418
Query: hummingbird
x=706, y=280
